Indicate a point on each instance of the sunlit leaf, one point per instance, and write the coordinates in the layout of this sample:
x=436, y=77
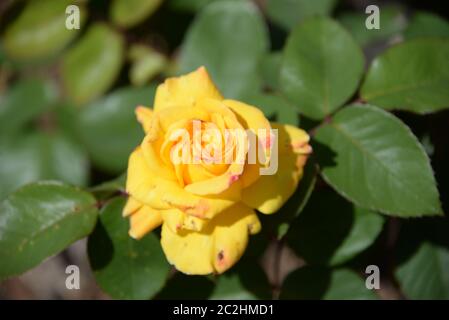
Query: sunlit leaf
x=146, y=64
x=92, y=65
x=391, y=23
x=411, y=76
x=228, y=38
x=40, y=30
x=322, y=67
x=128, y=13
x=39, y=220
x=370, y=157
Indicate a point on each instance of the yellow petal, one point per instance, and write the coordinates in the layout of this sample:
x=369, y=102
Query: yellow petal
x=173, y=219
x=211, y=106
x=270, y=192
x=219, y=184
x=151, y=151
x=216, y=248
x=250, y=117
x=184, y=91
x=132, y=205
x=143, y=221
x=254, y=119
x=168, y=117
x=144, y=116
x=176, y=220
x=149, y=187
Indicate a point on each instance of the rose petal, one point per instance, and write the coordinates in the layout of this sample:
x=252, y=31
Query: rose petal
x=270, y=192
x=184, y=91
x=216, y=248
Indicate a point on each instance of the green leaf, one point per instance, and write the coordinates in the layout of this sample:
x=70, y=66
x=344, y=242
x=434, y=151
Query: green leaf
x=39, y=31
x=274, y=107
x=128, y=13
x=311, y=283
x=270, y=68
x=331, y=231
x=411, y=76
x=176, y=288
x=39, y=220
x=66, y=160
x=392, y=23
x=23, y=102
x=370, y=157
x=192, y=5
x=246, y=281
x=322, y=67
x=41, y=156
x=424, y=275
x=123, y=267
x=117, y=184
x=288, y=13
x=109, y=189
x=92, y=65
x=146, y=64
x=228, y=38
x=109, y=128
x=424, y=24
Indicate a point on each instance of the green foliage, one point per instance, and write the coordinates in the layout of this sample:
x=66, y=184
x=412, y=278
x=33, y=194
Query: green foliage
x=41, y=156
x=25, y=100
x=274, y=107
x=425, y=24
x=67, y=113
x=288, y=13
x=109, y=129
x=247, y=282
x=146, y=63
x=228, y=38
x=91, y=67
x=411, y=76
x=39, y=31
x=39, y=220
x=392, y=23
x=372, y=158
x=424, y=275
x=330, y=231
x=322, y=67
x=128, y=13
x=324, y=283
x=125, y=268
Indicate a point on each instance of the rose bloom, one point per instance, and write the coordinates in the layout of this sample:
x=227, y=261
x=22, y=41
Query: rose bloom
x=207, y=209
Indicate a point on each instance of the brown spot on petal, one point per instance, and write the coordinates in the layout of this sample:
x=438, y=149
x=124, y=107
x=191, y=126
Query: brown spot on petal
x=199, y=210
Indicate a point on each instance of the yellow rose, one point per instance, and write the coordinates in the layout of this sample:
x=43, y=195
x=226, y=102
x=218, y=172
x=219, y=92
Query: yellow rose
x=207, y=208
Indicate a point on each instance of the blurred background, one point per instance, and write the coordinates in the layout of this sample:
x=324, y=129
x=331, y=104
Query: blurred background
x=67, y=97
